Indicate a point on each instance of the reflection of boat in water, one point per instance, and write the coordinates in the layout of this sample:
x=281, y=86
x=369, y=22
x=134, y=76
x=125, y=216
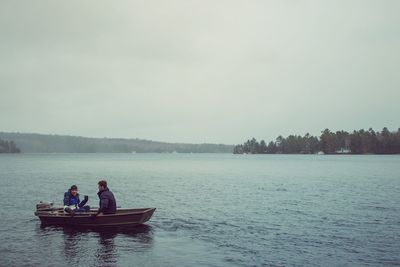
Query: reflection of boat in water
x=142, y=231
x=123, y=217
x=80, y=243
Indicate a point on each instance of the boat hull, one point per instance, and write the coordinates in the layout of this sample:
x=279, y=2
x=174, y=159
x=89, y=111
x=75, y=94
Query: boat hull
x=123, y=217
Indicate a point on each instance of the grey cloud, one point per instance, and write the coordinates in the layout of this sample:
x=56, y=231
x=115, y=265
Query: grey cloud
x=198, y=71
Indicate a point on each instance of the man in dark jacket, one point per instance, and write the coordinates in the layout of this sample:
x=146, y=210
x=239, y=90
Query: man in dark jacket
x=72, y=202
x=107, y=204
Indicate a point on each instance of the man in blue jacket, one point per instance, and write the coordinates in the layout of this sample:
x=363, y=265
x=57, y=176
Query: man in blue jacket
x=72, y=202
x=107, y=204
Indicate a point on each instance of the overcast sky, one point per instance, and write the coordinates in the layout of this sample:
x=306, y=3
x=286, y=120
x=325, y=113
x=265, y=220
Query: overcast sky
x=198, y=71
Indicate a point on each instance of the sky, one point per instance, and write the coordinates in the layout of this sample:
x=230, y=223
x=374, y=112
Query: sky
x=199, y=71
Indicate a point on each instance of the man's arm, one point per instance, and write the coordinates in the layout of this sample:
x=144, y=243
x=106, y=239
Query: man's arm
x=83, y=203
x=104, y=201
x=103, y=204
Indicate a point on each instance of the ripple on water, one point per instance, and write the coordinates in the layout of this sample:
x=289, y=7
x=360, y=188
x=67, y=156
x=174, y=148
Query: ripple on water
x=212, y=210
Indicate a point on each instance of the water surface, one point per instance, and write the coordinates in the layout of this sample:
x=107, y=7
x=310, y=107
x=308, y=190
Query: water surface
x=212, y=210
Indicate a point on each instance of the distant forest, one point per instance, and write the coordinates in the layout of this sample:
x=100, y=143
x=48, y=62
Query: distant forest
x=340, y=142
x=8, y=147
x=42, y=143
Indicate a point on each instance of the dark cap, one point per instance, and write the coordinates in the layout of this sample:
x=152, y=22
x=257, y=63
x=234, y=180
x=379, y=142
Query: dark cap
x=74, y=187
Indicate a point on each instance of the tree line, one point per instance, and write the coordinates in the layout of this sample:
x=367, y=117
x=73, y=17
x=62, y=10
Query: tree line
x=43, y=143
x=339, y=142
x=8, y=147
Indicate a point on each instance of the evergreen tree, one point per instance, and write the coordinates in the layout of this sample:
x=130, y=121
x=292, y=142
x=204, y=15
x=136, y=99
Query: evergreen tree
x=8, y=147
x=358, y=142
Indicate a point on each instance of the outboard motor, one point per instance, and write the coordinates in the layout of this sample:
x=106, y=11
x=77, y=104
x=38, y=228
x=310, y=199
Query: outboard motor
x=44, y=206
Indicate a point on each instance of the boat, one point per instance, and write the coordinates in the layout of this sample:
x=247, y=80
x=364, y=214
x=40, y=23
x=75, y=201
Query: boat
x=50, y=215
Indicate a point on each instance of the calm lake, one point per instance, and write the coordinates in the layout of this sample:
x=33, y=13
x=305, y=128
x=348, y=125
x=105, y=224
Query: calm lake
x=212, y=210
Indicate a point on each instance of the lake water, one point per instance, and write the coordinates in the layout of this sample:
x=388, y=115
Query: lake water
x=212, y=210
